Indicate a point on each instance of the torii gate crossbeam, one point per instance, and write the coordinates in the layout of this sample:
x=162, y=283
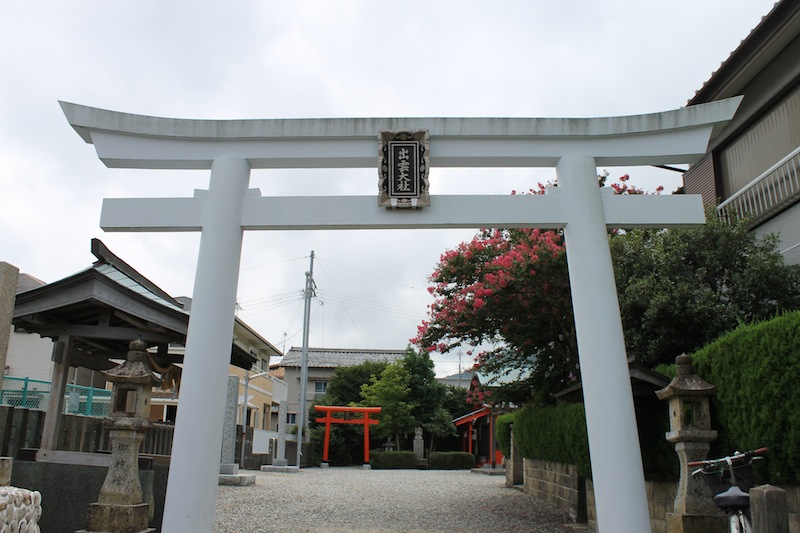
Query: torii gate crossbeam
x=575, y=147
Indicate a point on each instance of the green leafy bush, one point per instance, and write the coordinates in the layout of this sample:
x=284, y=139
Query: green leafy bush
x=504, y=423
x=559, y=434
x=554, y=434
x=756, y=369
x=386, y=460
x=451, y=461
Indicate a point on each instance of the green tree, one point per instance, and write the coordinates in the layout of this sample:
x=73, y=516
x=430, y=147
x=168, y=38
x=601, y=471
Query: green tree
x=439, y=424
x=428, y=393
x=344, y=387
x=390, y=392
x=455, y=401
x=430, y=413
x=681, y=289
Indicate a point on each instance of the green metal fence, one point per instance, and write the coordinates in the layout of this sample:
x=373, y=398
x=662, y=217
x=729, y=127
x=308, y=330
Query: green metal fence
x=35, y=394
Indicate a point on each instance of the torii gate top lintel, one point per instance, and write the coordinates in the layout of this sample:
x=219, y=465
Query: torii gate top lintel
x=124, y=140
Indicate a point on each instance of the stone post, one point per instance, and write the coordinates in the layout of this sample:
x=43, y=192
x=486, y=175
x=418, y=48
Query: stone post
x=8, y=294
x=690, y=431
x=228, y=456
x=768, y=509
x=280, y=457
x=6, y=466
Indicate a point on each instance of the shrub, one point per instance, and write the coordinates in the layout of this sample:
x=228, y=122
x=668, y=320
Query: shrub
x=504, y=423
x=451, y=461
x=554, y=434
x=756, y=369
x=388, y=460
x=559, y=434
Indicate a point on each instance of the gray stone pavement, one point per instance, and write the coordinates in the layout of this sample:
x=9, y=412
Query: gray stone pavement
x=337, y=500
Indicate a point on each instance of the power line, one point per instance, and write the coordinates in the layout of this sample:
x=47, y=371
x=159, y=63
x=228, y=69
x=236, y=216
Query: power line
x=388, y=280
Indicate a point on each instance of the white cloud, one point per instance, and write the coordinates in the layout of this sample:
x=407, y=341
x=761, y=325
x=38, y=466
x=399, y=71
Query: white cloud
x=272, y=59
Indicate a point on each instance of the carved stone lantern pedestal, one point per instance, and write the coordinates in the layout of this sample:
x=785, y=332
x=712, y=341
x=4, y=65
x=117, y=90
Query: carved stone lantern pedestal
x=120, y=508
x=690, y=430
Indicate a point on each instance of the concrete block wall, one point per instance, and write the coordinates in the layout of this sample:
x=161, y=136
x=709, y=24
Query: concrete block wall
x=558, y=484
x=561, y=485
x=660, y=501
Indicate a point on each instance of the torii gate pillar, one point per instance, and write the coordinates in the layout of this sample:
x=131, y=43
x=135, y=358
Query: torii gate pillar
x=608, y=398
x=574, y=146
x=208, y=341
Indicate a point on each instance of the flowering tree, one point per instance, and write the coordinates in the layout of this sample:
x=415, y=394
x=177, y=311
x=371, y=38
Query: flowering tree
x=678, y=289
x=509, y=288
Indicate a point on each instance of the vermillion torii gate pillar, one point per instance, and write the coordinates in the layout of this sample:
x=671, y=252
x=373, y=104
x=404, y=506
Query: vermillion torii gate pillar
x=575, y=147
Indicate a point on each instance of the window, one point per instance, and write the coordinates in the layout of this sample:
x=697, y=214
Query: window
x=291, y=418
x=319, y=388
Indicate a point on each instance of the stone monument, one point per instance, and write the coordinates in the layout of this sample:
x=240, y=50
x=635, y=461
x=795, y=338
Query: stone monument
x=280, y=456
x=228, y=464
x=120, y=508
x=229, y=473
x=8, y=292
x=419, y=444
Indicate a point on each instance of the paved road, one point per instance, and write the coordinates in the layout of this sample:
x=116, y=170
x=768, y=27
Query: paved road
x=338, y=500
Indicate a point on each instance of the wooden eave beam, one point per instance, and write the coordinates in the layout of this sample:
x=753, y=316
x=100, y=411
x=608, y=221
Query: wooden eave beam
x=79, y=358
x=108, y=333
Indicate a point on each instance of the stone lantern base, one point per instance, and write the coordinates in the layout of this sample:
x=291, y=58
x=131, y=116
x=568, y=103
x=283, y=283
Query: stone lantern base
x=116, y=518
x=682, y=523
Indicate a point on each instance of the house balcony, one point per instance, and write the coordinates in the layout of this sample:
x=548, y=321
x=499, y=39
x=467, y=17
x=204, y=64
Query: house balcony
x=767, y=195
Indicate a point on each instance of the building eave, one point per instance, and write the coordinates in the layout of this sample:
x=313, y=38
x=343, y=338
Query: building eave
x=762, y=45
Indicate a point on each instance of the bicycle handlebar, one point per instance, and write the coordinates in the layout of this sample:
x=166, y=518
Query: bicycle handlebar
x=737, y=456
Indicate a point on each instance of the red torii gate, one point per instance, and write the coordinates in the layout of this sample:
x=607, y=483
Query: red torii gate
x=329, y=419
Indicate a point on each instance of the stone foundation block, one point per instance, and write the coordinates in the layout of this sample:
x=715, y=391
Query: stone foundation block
x=118, y=518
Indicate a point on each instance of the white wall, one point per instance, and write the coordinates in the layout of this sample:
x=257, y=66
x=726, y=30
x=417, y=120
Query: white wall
x=29, y=355
x=787, y=225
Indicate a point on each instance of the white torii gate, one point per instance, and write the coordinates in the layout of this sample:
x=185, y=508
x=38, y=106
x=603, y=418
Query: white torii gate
x=231, y=148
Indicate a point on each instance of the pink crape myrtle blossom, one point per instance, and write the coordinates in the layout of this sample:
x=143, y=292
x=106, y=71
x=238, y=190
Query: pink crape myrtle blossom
x=509, y=288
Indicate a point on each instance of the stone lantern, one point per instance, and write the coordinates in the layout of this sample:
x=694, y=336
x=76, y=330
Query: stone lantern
x=690, y=431
x=120, y=507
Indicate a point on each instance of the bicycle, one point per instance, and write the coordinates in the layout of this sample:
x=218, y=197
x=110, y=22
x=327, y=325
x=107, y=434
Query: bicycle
x=730, y=479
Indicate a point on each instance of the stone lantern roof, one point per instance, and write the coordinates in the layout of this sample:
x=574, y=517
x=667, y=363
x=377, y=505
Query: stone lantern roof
x=134, y=370
x=686, y=382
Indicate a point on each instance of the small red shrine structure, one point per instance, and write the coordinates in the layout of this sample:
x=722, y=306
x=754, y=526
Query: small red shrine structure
x=329, y=419
x=467, y=425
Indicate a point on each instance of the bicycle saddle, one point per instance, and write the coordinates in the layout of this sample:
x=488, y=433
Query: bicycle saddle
x=733, y=497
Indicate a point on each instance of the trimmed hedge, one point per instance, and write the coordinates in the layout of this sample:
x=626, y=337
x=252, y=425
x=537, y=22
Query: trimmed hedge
x=554, y=434
x=386, y=460
x=503, y=436
x=451, y=461
x=559, y=434
x=756, y=369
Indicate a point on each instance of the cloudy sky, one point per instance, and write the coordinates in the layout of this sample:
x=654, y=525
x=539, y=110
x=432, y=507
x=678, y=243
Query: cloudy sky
x=325, y=58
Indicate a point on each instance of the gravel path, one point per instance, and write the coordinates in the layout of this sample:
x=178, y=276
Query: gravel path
x=352, y=499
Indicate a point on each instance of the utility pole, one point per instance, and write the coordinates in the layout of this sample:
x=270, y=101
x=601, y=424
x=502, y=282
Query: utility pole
x=301, y=409
x=459, y=368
